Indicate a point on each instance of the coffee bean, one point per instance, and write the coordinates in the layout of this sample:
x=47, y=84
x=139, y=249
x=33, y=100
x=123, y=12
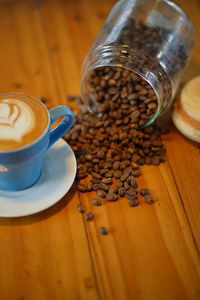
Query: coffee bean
x=155, y=160
x=136, y=172
x=103, y=186
x=117, y=174
x=96, y=202
x=113, y=190
x=95, y=186
x=100, y=154
x=148, y=161
x=103, y=171
x=89, y=187
x=108, y=165
x=133, y=202
x=89, y=157
x=107, y=180
x=96, y=175
x=81, y=175
x=119, y=183
x=108, y=175
x=131, y=192
x=126, y=186
x=123, y=164
x=144, y=192
x=95, y=161
x=116, y=165
x=101, y=193
x=95, y=180
x=134, y=166
x=111, y=197
x=89, y=216
x=122, y=191
x=148, y=199
x=125, y=174
x=108, y=143
x=82, y=187
x=130, y=197
x=117, y=157
x=103, y=230
x=132, y=182
x=80, y=208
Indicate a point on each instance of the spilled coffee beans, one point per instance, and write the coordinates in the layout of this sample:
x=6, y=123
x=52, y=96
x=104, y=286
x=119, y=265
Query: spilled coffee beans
x=110, y=146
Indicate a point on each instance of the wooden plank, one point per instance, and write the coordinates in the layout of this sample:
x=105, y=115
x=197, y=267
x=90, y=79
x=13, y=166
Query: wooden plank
x=39, y=255
x=150, y=251
x=183, y=155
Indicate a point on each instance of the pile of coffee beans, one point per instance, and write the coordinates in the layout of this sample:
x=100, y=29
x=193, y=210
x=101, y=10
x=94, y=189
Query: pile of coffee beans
x=109, y=145
x=122, y=94
x=138, y=46
x=149, y=41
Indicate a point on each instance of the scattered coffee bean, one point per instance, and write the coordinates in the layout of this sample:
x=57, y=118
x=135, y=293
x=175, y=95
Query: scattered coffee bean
x=96, y=175
x=116, y=166
x=144, y=192
x=95, y=186
x=107, y=180
x=117, y=174
x=88, y=157
x=103, y=230
x=95, y=180
x=113, y=190
x=89, y=187
x=131, y=192
x=104, y=187
x=118, y=183
x=82, y=187
x=108, y=145
x=155, y=160
x=80, y=208
x=126, y=186
x=109, y=175
x=125, y=174
x=100, y=154
x=133, y=202
x=148, y=199
x=130, y=197
x=121, y=191
x=89, y=216
x=132, y=182
x=81, y=175
x=101, y=193
x=111, y=197
x=136, y=172
x=96, y=202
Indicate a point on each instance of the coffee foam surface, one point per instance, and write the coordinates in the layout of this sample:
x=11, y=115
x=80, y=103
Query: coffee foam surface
x=22, y=121
x=16, y=119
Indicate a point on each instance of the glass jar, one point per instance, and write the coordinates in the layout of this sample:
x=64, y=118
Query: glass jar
x=152, y=38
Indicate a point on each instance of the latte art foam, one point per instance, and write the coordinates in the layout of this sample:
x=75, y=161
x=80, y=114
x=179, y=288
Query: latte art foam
x=16, y=119
x=23, y=119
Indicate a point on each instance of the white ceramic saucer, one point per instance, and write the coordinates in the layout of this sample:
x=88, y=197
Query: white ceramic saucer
x=58, y=173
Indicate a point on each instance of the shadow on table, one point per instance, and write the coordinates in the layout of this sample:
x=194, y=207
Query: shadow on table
x=56, y=208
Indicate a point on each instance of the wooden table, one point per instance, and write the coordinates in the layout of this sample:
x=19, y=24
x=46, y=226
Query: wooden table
x=151, y=251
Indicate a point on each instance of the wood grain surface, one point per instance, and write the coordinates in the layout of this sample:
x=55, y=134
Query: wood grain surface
x=151, y=251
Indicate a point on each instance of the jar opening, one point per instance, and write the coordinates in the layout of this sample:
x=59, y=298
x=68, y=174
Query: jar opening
x=121, y=92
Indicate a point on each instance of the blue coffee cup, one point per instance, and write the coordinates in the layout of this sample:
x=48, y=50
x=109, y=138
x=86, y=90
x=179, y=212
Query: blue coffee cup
x=21, y=168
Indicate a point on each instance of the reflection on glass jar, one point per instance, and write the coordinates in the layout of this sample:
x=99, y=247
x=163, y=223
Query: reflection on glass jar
x=137, y=61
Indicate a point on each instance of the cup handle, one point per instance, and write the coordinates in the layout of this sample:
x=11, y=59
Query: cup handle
x=61, y=129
